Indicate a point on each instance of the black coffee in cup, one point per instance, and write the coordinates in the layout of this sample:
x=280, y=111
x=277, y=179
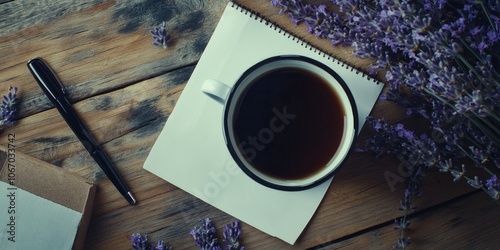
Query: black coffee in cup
x=288, y=123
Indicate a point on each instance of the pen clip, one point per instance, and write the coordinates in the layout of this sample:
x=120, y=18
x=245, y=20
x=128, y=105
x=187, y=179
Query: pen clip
x=46, y=76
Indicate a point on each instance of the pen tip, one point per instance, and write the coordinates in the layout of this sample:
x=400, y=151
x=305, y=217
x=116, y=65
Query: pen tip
x=131, y=199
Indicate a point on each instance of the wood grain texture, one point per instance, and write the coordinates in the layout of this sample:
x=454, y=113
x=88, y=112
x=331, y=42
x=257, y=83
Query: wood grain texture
x=36, y=12
x=104, y=47
x=455, y=226
x=125, y=89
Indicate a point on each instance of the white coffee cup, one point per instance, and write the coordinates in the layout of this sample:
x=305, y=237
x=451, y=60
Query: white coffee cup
x=266, y=140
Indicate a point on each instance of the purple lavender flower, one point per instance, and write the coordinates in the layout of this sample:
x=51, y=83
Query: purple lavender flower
x=294, y=8
x=405, y=204
x=475, y=183
x=205, y=236
x=457, y=174
x=139, y=242
x=160, y=245
x=493, y=187
x=492, y=182
x=232, y=232
x=7, y=109
x=401, y=224
x=402, y=243
x=161, y=36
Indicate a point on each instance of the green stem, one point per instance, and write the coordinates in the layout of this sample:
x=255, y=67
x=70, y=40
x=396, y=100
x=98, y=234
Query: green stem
x=486, y=121
x=480, y=59
x=483, y=188
x=466, y=45
x=474, y=70
x=493, y=115
x=487, y=170
x=485, y=131
x=487, y=14
x=472, y=158
x=402, y=234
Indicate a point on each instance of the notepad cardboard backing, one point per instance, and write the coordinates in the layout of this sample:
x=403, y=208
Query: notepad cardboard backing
x=50, y=182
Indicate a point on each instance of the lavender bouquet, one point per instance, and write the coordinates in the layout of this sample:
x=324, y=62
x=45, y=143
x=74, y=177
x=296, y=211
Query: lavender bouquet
x=441, y=61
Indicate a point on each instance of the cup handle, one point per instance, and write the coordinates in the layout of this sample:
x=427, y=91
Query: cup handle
x=215, y=89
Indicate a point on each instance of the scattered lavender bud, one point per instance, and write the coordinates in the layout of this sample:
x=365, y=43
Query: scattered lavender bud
x=232, y=232
x=205, y=235
x=403, y=243
x=7, y=109
x=160, y=35
x=160, y=245
x=405, y=204
x=457, y=175
x=475, y=183
x=139, y=242
x=493, y=187
x=401, y=224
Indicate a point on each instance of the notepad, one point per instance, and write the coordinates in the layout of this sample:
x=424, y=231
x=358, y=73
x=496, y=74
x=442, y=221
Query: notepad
x=191, y=152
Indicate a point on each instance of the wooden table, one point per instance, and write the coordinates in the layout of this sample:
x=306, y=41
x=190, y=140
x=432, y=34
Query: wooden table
x=125, y=89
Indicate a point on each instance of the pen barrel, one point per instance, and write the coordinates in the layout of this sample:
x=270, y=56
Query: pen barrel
x=76, y=124
x=96, y=152
x=103, y=160
x=56, y=93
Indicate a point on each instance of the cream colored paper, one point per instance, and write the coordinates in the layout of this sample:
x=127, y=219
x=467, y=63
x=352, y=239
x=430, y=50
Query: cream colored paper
x=28, y=221
x=191, y=153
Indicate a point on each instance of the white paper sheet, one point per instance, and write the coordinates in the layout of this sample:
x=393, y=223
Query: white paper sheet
x=28, y=221
x=191, y=153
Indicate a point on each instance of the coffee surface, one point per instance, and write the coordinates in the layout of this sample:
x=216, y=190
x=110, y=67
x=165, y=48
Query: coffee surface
x=288, y=123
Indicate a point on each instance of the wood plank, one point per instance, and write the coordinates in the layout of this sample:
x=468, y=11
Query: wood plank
x=28, y=13
x=101, y=48
x=140, y=108
x=469, y=222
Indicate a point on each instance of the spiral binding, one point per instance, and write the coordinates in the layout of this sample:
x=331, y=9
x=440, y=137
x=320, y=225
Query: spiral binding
x=264, y=20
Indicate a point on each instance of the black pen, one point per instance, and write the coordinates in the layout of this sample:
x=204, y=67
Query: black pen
x=56, y=93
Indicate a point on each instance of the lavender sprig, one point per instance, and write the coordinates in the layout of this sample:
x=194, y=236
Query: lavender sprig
x=7, y=109
x=161, y=36
x=140, y=242
x=160, y=245
x=232, y=233
x=493, y=187
x=205, y=236
x=402, y=224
